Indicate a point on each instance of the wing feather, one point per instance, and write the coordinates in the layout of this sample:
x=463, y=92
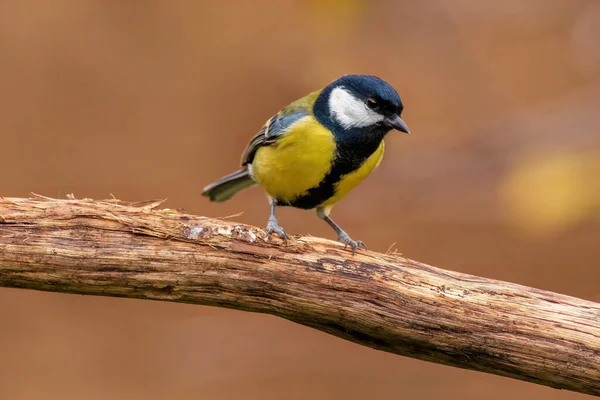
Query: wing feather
x=279, y=125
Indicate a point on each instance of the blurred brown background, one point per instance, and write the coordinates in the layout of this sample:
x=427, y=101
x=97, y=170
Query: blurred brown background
x=155, y=99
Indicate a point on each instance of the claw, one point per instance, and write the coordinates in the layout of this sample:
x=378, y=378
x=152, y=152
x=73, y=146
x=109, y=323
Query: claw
x=273, y=227
x=355, y=244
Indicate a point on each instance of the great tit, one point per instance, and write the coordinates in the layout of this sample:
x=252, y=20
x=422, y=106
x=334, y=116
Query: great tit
x=318, y=148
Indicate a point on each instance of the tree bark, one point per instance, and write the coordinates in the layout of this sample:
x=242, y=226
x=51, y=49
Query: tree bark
x=383, y=301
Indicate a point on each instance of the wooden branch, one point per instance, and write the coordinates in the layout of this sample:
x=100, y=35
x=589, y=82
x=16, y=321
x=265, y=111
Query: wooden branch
x=386, y=302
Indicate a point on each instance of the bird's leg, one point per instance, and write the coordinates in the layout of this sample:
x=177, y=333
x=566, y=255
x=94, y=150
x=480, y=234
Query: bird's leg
x=272, y=224
x=342, y=235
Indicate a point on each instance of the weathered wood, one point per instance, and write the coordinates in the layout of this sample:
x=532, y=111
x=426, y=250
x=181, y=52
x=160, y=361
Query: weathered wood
x=382, y=301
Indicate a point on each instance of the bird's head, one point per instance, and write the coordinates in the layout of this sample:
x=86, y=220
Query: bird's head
x=361, y=102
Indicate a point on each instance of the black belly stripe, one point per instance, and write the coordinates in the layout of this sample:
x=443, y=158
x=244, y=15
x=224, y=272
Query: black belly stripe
x=349, y=158
x=326, y=189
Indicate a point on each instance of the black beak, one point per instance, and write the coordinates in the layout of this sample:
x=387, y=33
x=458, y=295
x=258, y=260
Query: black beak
x=395, y=122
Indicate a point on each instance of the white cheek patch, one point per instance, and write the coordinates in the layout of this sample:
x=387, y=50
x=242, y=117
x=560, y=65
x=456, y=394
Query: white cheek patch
x=349, y=111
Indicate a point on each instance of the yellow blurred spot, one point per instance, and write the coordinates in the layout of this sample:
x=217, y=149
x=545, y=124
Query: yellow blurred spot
x=336, y=16
x=546, y=192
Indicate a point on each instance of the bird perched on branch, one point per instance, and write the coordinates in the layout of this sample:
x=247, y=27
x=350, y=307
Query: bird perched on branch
x=318, y=148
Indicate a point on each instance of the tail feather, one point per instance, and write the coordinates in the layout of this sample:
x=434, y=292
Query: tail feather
x=227, y=186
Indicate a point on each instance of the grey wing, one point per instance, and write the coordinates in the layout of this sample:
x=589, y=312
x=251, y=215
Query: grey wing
x=275, y=127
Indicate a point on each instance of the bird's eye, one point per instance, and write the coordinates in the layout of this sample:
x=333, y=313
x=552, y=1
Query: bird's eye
x=372, y=103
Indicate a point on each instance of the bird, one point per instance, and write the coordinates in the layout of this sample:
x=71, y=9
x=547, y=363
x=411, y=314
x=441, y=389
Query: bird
x=318, y=148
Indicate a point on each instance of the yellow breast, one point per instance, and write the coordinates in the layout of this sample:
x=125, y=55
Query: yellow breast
x=353, y=179
x=298, y=161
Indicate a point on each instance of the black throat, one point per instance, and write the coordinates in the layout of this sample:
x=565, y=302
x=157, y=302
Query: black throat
x=353, y=147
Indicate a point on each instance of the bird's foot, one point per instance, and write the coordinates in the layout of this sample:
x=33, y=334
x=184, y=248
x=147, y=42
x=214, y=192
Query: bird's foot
x=273, y=227
x=347, y=241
